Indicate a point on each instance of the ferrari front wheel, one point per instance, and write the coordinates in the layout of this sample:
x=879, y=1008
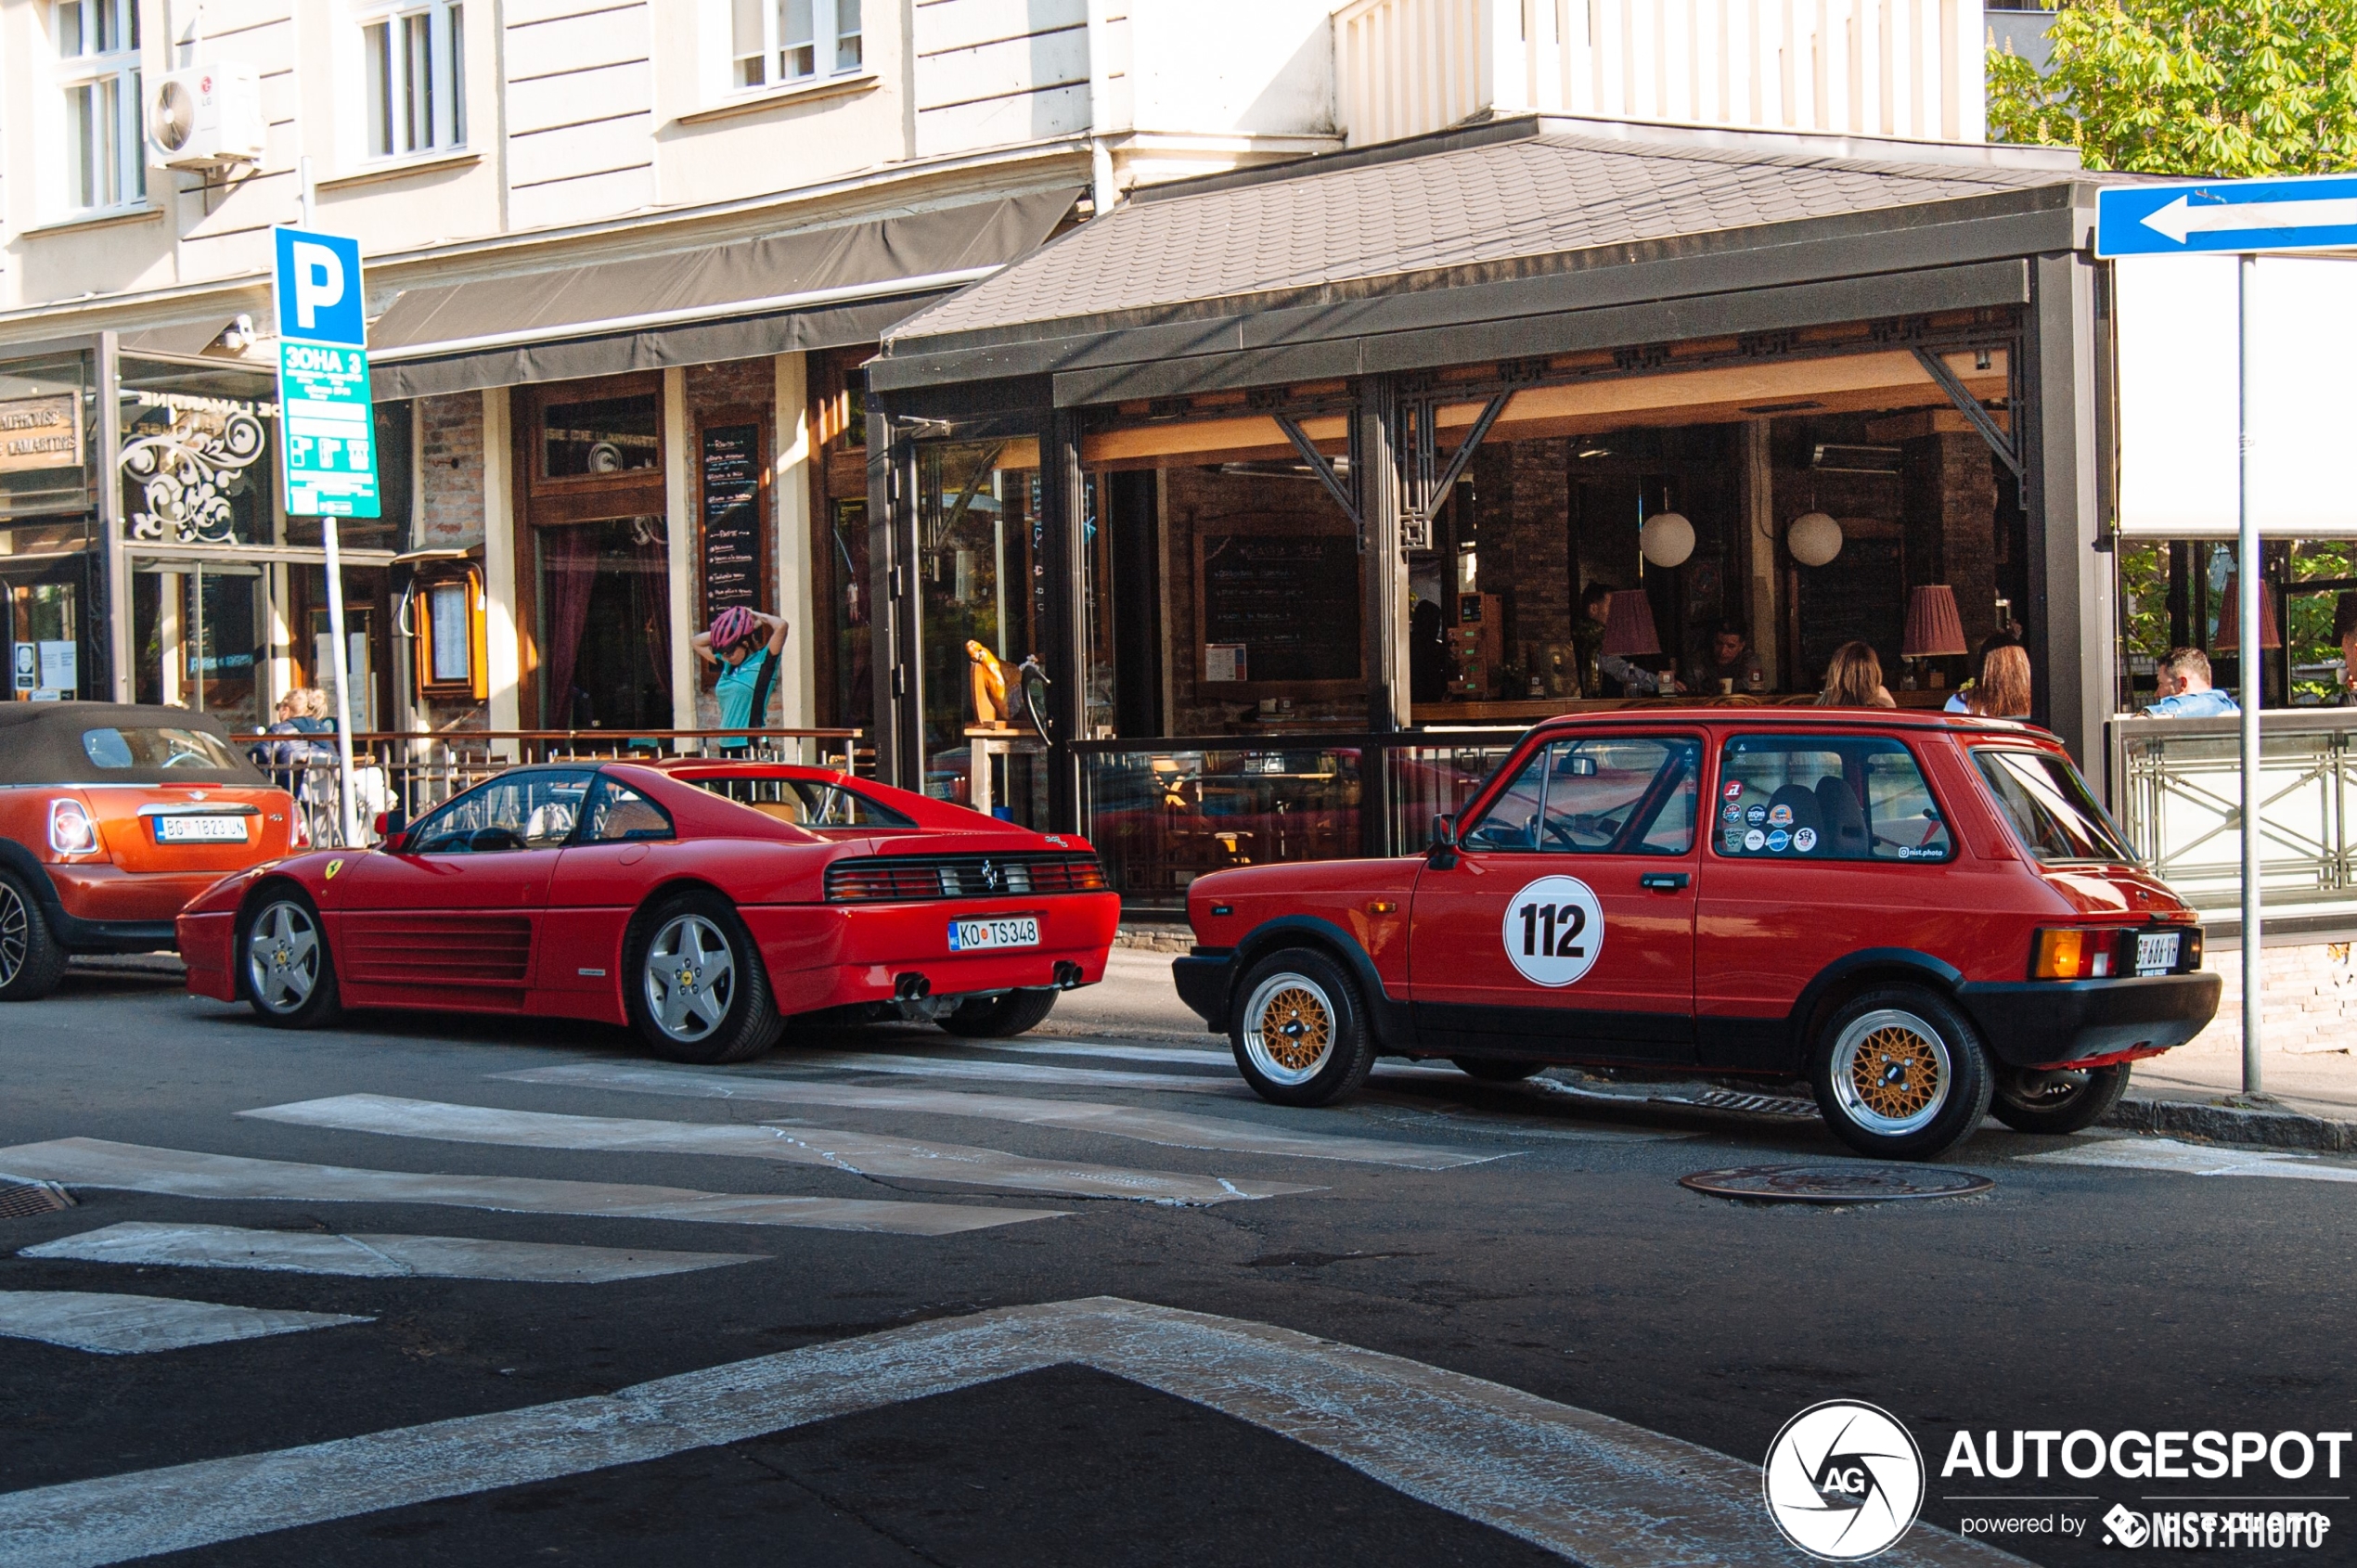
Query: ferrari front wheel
x=282, y=954
x=694, y=984
x=1300, y=1037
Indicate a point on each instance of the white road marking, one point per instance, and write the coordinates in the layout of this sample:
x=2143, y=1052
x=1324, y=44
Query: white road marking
x=1600, y=1491
x=1213, y=1061
x=1012, y=1072
x=861, y=1153
x=90, y=1161
x=2191, y=1159
x=113, y=1325
x=1175, y=1129
x=372, y=1256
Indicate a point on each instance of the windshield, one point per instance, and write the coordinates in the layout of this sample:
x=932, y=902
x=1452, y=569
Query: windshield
x=2049, y=806
x=121, y=748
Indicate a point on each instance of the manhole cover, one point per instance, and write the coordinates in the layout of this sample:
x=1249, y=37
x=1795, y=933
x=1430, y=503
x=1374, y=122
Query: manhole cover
x=18, y=1199
x=1835, y=1184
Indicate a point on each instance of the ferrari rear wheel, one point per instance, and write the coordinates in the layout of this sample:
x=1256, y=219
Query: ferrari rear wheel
x=31, y=961
x=695, y=986
x=282, y=954
x=1899, y=1073
x=1001, y=1017
x=2031, y=1102
x=1300, y=1037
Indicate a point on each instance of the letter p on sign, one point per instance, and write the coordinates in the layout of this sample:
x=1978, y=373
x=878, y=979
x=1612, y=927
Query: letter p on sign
x=318, y=287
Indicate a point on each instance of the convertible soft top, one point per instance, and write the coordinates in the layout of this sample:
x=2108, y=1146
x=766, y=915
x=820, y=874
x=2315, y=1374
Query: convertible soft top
x=46, y=743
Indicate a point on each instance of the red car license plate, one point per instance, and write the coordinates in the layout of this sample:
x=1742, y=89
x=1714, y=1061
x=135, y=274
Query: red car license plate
x=967, y=936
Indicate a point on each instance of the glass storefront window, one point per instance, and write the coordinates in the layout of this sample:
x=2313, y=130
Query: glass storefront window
x=607, y=435
x=981, y=581
x=203, y=640
x=198, y=458
x=605, y=624
x=45, y=436
x=854, y=618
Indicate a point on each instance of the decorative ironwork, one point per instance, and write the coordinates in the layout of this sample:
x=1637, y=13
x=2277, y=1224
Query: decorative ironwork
x=189, y=472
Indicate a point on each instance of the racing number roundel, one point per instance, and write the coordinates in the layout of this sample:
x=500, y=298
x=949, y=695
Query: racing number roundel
x=1554, y=931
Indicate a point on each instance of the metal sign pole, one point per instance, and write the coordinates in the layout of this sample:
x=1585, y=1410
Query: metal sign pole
x=340, y=654
x=2248, y=588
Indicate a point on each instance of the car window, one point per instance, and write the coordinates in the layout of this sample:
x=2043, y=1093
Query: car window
x=1618, y=794
x=619, y=814
x=530, y=809
x=803, y=801
x=1827, y=798
x=163, y=746
x=2051, y=807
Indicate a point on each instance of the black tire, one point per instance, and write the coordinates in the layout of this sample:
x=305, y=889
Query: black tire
x=30, y=960
x=2057, y=1102
x=694, y=984
x=283, y=962
x=1899, y=1073
x=1001, y=1017
x=1300, y=1030
x=1497, y=1070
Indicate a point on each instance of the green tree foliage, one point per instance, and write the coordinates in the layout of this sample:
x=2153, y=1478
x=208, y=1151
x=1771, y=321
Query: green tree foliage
x=2223, y=87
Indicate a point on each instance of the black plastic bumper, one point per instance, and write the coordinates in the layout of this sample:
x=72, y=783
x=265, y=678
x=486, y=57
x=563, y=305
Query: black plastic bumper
x=2039, y=1024
x=76, y=935
x=1203, y=978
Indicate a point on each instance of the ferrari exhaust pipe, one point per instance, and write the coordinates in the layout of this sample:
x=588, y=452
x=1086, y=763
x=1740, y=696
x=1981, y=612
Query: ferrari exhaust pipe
x=1067, y=975
x=910, y=987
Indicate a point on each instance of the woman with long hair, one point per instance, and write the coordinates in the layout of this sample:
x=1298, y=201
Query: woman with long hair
x=2002, y=690
x=1854, y=679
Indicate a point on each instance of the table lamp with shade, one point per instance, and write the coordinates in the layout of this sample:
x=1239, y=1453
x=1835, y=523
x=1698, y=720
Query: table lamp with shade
x=1934, y=629
x=2230, y=620
x=1628, y=627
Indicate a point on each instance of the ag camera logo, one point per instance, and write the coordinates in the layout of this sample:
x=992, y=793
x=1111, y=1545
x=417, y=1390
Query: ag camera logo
x=1843, y=1479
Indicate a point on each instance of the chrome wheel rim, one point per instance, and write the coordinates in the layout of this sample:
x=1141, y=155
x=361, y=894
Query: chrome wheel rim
x=1891, y=1073
x=282, y=958
x=690, y=978
x=1289, y=1028
x=16, y=933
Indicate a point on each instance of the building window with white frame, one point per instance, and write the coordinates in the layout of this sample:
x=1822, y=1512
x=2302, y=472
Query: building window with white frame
x=97, y=47
x=413, y=62
x=778, y=42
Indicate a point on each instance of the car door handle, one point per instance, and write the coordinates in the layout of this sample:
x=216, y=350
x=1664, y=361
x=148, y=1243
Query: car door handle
x=1664, y=881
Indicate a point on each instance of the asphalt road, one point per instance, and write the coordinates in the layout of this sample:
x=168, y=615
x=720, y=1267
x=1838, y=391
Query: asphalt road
x=910, y=1392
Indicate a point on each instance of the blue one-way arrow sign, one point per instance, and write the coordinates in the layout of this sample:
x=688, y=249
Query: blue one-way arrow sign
x=2238, y=216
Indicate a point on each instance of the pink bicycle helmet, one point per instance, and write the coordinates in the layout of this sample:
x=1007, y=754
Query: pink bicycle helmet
x=732, y=627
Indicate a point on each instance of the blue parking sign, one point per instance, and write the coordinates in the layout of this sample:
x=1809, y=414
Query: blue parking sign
x=327, y=433
x=319, y=286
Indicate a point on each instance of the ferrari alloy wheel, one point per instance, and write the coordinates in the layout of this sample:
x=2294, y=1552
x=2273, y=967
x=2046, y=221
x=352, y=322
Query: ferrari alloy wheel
x=1300, y=1037
x=2029, y=1100
x=31, y=961
x=1899, y=1073
x=288, y=977
x=697, y=990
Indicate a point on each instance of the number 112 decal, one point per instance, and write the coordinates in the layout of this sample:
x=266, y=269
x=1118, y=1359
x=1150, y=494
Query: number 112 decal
x=1554, y=931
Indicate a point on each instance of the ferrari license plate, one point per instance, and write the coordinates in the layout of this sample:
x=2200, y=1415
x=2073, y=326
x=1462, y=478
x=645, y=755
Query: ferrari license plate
x=2158, y=953
x=967, y=936
x=201, y=830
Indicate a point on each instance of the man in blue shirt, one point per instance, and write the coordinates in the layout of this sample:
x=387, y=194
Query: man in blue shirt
x=2182, y=689
x=745, y=644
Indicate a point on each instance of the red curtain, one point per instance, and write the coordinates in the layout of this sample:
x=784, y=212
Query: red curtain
x=655, y=584
x=568, y=570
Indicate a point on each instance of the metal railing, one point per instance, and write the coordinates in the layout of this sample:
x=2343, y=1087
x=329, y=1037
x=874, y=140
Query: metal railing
x=1162, y=812
x=414, y=773
x=2177, y=790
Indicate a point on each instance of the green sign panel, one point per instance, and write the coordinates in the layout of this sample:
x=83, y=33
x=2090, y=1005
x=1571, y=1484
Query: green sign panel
x=328, y=430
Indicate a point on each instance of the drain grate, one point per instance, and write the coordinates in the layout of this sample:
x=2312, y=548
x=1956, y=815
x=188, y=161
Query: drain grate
x=1837, y=1183
x=18, y=1199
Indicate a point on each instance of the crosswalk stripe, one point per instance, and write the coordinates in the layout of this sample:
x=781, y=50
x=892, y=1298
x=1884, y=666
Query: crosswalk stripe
x=113, y=1325
x=2189, y=1159
x=861, y=1153
x=1175, y=1129
x=372, y=1256
x=90, y=1161
x=1209, y=1059
x=1009, y=1072
x=1599, y=1491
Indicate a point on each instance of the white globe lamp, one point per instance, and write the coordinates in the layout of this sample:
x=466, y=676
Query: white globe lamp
x=1666, y=539
x=1815, y=539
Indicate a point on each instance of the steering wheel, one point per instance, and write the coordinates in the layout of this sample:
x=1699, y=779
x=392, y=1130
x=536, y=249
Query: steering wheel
x=1583, y=822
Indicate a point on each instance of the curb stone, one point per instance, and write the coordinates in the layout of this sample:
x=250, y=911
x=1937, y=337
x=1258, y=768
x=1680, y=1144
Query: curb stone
x=2222, y=1122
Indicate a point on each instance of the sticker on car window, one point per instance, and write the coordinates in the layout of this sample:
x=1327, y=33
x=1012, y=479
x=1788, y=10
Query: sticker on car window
x=1554, y=931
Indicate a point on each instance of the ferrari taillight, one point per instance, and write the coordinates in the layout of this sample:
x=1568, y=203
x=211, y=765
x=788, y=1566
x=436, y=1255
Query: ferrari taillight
x=71, y=830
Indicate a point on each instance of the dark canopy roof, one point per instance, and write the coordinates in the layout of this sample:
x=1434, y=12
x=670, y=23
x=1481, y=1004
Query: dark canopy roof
x=41, y=744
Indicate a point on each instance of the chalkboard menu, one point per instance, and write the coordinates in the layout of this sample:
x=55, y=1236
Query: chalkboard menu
x=1862, y=595
x=1289, y=602
x=731, y=518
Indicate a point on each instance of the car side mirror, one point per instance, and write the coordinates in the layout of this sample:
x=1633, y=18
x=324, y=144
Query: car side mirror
x=1442, y=855
x=395, y=842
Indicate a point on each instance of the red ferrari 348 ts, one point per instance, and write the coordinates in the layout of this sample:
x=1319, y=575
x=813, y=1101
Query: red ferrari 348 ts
x=699, y=901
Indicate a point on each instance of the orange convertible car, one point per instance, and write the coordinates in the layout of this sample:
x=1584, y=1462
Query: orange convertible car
x=111, y=819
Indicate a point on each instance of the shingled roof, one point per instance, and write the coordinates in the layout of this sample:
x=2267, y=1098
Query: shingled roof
x=1502, y=201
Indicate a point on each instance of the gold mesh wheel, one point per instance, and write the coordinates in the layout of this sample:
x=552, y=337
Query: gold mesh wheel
x=1891, y=1072
x=1289, y=1028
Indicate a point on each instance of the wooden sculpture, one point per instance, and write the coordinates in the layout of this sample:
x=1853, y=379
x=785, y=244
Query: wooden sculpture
x=990, y=688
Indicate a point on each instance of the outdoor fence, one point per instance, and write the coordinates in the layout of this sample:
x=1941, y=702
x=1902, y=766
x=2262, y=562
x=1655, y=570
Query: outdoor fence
x=413, y=773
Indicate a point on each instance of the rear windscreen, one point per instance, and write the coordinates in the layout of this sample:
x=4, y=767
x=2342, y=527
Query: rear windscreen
x=2051, y=808
x=803, y=802
x=119, y=748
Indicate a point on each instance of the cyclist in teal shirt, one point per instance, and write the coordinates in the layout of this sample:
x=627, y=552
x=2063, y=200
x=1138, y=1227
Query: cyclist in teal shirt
x=745, y=644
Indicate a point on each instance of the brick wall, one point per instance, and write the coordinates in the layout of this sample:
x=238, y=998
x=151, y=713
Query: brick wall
x=2310, y=994
x=450, y=472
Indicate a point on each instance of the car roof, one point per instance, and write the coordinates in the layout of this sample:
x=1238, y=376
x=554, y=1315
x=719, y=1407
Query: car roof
x=41, y=744
x=1811, y=717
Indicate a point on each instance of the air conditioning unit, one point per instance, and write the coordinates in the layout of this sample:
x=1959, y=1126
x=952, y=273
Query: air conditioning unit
x=205, y=116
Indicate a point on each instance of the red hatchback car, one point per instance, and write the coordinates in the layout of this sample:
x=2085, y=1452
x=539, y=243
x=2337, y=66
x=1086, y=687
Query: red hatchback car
x=1927, y=916
x=699, y=901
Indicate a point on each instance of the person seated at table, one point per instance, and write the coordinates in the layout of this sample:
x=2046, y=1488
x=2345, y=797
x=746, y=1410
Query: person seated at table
x=1729, y=658
x=1853, y=680
x=2181, y=689
x=2003, y=637
x=2002, y=690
